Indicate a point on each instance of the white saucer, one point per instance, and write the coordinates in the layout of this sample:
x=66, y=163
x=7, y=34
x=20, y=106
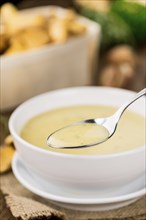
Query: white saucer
x=72, y=200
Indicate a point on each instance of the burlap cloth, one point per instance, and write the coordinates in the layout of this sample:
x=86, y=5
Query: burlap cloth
x=19, y=203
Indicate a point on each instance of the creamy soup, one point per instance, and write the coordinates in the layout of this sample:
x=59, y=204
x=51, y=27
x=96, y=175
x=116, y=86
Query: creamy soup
x=130, y=132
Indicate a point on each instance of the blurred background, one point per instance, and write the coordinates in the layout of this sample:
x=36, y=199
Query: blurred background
x=88, y=42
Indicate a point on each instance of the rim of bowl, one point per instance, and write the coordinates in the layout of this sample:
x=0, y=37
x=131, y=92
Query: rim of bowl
x=61, y=154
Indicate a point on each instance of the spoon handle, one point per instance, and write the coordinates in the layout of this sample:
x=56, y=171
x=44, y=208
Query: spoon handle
x=121, y=110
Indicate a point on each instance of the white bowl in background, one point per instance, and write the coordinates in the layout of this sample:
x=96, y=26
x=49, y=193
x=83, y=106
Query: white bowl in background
x=49, y=67
x=105, y=173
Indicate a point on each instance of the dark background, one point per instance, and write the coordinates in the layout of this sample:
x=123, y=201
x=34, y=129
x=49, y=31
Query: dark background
x=32, y=3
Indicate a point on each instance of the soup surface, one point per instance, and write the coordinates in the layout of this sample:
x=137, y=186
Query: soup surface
x=130, y=132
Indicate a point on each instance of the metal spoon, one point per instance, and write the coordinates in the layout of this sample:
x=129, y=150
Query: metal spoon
x=109, y=124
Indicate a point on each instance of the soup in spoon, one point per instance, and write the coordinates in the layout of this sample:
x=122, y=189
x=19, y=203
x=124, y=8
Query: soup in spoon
x=80, y=134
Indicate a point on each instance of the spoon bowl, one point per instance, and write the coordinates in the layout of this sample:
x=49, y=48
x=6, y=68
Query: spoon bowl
x=91, y=133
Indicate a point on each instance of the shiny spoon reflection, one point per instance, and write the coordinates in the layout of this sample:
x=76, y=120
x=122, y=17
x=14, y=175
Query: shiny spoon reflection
x=89, y=132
